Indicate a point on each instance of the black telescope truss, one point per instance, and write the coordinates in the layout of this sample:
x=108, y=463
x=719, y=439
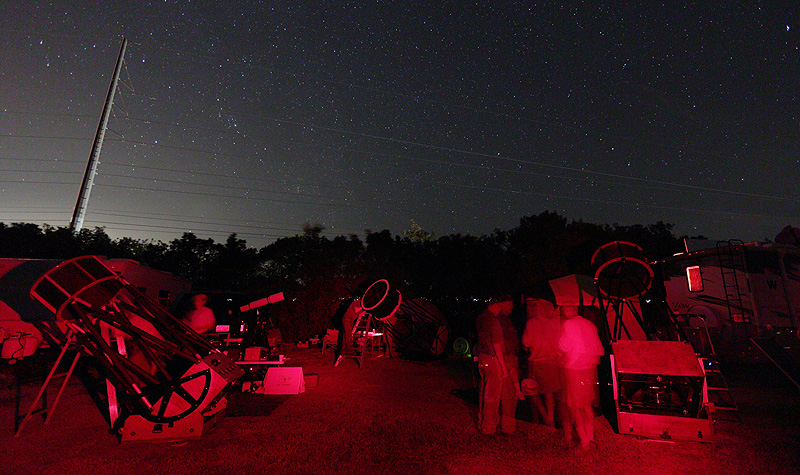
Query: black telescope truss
x=157, y=367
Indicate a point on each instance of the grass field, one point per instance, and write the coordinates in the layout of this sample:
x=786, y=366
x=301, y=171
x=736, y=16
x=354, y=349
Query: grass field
x=403, y=417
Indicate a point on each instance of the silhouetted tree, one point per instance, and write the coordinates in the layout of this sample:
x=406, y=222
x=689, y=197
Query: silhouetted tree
x=457, y=272
x=23, y=240
x=231, y=266
x=314, y=273
x=95, y=241
x=150, y=253
x=656, y=240
x=189, y=257
x=416, y=233
x=61, y=243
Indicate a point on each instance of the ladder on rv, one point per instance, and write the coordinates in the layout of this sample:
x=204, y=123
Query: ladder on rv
x=733, y=268
x=717, y=390
x=719, y=394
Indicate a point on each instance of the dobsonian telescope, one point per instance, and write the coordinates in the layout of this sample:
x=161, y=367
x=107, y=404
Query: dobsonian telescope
x=164, y=381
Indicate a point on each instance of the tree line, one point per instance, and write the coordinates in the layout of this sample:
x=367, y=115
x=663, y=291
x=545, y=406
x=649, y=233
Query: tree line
x=459, y=273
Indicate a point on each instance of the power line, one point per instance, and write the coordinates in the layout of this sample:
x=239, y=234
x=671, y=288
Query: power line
x=493, y=157
x=248, y=198
x=139, y=227
x=48, y=114
x=34, y=182
x=48, y=160
x=56, y=137
x=643, y=181
x=459, y=151
x=212, y=232
x=584, y=174
x=174, y=218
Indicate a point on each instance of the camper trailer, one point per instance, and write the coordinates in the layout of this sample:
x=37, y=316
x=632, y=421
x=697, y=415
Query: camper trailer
x=736, y=290
x=20, y=314
x=162, y=287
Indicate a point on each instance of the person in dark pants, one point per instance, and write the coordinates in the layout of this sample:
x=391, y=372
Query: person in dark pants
x=347, y=314
x=498, y=343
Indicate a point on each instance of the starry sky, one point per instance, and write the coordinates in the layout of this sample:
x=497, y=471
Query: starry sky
x=254, y=117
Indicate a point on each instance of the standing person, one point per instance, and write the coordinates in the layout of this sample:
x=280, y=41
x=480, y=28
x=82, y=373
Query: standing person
x=199, y=317
x=344, y=347
x=498, y=342
x=540, y=338
x=581, y=351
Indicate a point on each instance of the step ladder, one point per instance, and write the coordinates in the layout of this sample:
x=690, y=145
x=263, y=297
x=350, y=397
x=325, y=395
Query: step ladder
x=20, y=420
x=719, y=395
x=733, y=268
x=360, y=338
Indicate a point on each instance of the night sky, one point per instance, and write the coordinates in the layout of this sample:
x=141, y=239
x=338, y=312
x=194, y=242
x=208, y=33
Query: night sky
x=463, y=117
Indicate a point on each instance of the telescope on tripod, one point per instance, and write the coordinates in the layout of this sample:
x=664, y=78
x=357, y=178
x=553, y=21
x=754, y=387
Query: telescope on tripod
x=274, y=298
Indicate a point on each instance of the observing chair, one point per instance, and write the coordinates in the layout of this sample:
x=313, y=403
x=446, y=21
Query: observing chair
x=330, y=340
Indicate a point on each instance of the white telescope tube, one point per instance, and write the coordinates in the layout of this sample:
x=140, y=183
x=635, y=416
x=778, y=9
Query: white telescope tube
x=261, y=302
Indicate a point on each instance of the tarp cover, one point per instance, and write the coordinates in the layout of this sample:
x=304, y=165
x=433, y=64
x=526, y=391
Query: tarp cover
x=417, y=329
x=16, y=279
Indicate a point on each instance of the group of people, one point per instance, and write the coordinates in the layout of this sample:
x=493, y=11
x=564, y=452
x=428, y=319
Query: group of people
x=563, y=351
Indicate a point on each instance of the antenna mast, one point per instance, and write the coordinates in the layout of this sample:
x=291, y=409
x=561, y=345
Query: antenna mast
x=91, y=167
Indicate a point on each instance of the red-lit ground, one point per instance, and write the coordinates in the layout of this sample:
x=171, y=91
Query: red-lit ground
x=396, y=416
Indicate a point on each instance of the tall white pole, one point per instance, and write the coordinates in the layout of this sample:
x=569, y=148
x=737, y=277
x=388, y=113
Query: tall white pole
x=91, y=167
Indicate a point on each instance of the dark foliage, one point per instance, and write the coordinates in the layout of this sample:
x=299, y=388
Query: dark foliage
x=457, y=272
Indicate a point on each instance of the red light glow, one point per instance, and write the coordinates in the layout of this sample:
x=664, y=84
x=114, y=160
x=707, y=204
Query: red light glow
x=695, y=279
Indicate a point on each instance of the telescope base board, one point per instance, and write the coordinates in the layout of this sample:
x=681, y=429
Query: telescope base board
x=193, y=426
x=666, y=427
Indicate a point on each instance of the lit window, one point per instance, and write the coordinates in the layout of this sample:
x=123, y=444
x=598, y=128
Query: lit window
x=695, y=279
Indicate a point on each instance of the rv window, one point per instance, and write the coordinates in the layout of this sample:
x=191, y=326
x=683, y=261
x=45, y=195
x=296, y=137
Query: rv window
x=695, y=279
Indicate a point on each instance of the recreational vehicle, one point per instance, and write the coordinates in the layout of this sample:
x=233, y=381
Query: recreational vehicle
x=736, y=290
